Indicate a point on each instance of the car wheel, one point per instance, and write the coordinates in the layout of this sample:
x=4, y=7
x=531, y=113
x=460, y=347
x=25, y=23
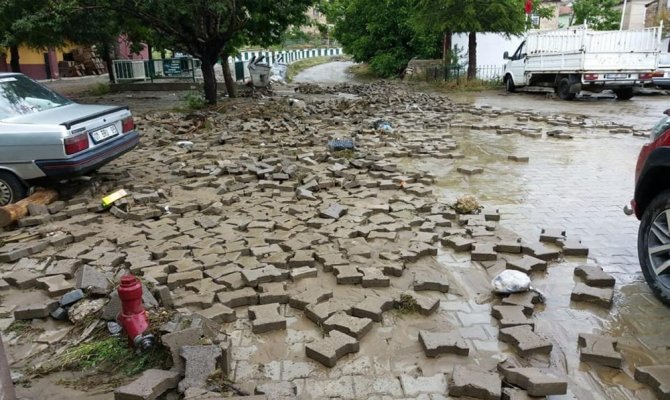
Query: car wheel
x=509, y=84
x=563, y=90
x=624, y=94
x=11, y=188
x=653, y=246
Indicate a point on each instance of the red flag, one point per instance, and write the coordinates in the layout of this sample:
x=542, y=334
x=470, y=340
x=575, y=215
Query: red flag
x=529, y=6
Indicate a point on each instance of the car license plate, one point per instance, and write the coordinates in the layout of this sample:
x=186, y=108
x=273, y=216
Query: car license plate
x=104, y=133
x=616, y=76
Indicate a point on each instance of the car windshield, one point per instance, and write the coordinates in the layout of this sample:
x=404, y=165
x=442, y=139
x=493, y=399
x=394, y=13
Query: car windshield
x=20, y=95
x=660, y=127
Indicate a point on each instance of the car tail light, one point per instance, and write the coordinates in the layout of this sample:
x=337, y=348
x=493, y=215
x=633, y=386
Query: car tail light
x=658, y=74
x=646, y=75
x=76, y=143
x=590, y=77
x=127, y=124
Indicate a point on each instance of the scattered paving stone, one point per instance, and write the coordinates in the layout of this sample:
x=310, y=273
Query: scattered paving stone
x=265, y=318
x=524, y=340
x=309, y=296
x=467, y=170
x=149, y=386
x=599, y=349
x=347, y=275
x=374, y=277
x=541, y=251
x=430, y=280
x=330, y=349
x=511, y=316
x=426, y=305
x=550, y=235
x=483, y=252
x=268, y=273
x=176, y=340
x=534, y=380
x=320, y=312
x=600, y=296
x=372, y=307
x=352, y=326
x=334, y=211
x=302, y=258
x=200, y=362
x=71, y=297
x=238, y=298
x=527, y=300
x=55, y=285
x=274, y=292
x=572, y=247
x=527, y=264
x=219, y=313
x=92, y=281
x=594, y=275
x=517, y=394
x=437, y=343
x=415, y=386
x=656, y=376
x=477, y=384
x=21, y=278
x=458, y=243
x=38, y=310
x=180, y=279
x=511, y=247
x=518, y=158
x=302, y=273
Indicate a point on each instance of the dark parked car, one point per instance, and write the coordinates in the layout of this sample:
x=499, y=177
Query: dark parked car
x=651, y=205
x=45, y=135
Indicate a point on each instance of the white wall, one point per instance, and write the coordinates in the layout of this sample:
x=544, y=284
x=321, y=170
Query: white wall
x=490, y=47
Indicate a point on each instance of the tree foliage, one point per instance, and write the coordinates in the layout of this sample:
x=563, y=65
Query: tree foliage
x=598, y=14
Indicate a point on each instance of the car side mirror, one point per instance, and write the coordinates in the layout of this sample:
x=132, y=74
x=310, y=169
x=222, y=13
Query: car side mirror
x=506, y=55
x=667, y=112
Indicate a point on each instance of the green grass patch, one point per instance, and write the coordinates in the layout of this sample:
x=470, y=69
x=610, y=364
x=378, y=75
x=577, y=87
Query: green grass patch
x=110, y=356
x=406, y=305
x=363, y=72
x=299, y=66
x=100, y=89
x=20, y=327
x=194, y=101
x=464, y=85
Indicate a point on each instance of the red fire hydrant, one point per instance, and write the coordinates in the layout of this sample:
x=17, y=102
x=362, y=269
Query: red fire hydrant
x=133, y=317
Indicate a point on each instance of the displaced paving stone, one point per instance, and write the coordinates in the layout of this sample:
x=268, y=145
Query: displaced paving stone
x=511, y=316
x=334, y=211
x=525, y=341
x=347, y=275
x=415, y=386
x=511, y=247
x=352, y=326
x=425, y=305
x=374, y=277
x=527, y=300
x=219, y=313
x=600, y=296
x=527, y=264
x=92, y=281
x=518, y=158
x=55, y=285
x=320, y=312
x=265, y=318
x=372, y=307
x=534, y=380
x=550, y=235
x=458, y=243
x=37, y=310
x=483, y=252
x=310, y=296
x=656, y=376
x=437, y=343
x=180, y=279
x=303, y=273
x=274, y=292
x=268, y=273
x=541, y=251
x=21, y=278
x=430, y=280
x=517, y=394
x=71, y=297
x=594, y=275
x=149, y=386
x=200, y=362
x=599, y=349
x=572, y=247
x=302, y=258
x=477, y=384
x=331, y=260
x=467, y=170
x=237, y=298
x=330, y=349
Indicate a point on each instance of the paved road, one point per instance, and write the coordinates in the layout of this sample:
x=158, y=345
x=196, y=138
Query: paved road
x=334, y=72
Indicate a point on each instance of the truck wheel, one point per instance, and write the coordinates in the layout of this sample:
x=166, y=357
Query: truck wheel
x=563, y=90
x=509, y=84
x=624, y=94
x=652, y=248
x=11, y=188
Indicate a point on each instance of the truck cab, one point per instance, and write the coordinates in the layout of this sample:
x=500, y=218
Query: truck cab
x=515, y=68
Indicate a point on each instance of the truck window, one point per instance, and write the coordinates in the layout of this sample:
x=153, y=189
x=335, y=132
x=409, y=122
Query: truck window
x=520, y=52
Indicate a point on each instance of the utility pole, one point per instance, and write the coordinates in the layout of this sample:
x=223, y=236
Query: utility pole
x=623, y=14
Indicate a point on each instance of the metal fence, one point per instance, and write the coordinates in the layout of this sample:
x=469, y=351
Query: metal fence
x=169, y=68
x=489, y=73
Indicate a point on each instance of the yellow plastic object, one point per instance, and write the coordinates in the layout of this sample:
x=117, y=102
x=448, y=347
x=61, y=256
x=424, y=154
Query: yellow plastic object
x=111, y=198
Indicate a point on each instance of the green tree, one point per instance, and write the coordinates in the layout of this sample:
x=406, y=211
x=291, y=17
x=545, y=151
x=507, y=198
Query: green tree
x=600, y=15
x=381, y=33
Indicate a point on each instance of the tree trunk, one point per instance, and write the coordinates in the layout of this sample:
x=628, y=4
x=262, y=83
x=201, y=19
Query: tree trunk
x=14, y=62
x=472, y=56
x=107, y=58
x=209, y=79
x=228, y=76
x=14, y=212
x=150, y=51
x=446, y=48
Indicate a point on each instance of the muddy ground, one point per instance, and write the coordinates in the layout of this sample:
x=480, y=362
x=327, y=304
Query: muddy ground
x=397, y=188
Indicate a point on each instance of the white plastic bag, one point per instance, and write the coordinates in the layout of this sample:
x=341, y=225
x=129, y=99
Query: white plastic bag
x=511, y=281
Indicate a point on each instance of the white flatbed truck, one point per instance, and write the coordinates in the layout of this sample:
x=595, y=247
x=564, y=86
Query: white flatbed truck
x=576, y=59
